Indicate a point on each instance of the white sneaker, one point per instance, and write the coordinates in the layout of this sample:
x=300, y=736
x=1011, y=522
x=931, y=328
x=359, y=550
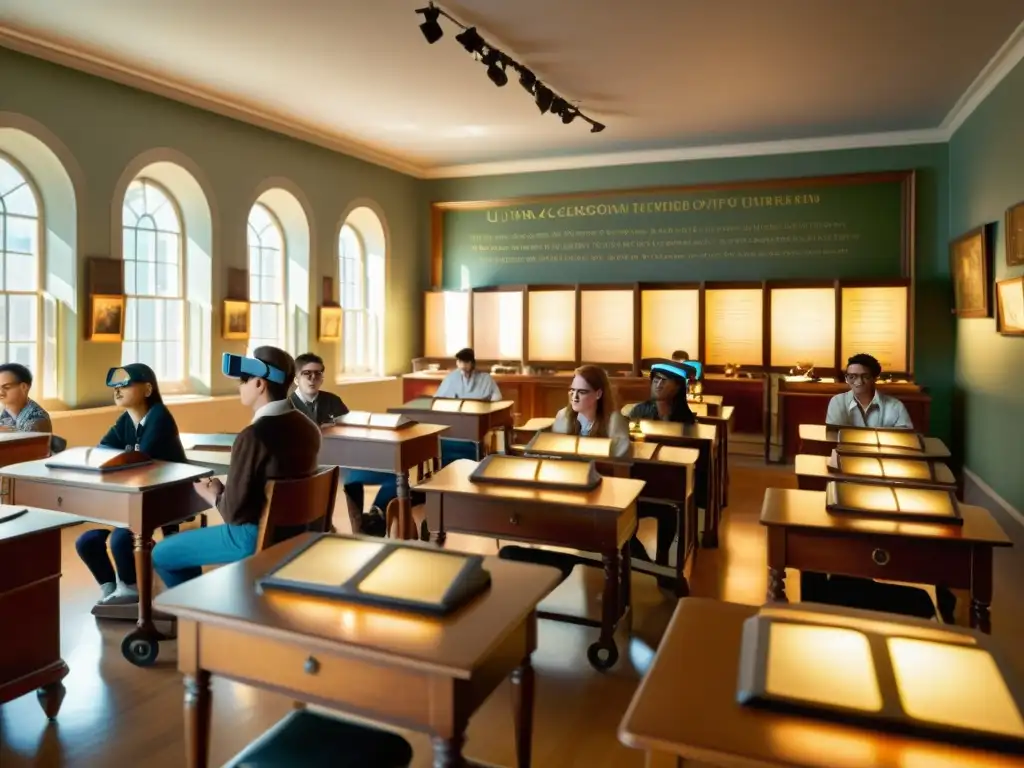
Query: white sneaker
x=125, y=594
x=106, y=590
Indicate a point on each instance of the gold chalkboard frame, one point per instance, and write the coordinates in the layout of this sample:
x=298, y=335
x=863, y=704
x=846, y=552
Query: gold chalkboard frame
x=907, y=178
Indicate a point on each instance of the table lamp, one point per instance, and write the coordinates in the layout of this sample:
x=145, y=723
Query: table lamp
x=944, y=683
x=407, y=577
x=536, y=473
x=925, y=505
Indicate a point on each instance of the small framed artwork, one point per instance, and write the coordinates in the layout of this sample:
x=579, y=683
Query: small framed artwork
x=968, y=257
x=1015, y=235
x=1010, y=306
x=106, y=318
x=236, y=319
x=329, y=324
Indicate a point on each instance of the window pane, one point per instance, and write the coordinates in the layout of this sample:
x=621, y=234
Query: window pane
x=130, y=286
x=20, y=272
x=147, y=319
x=22, y=234
x=167, y=248
x=22, y=353
x=145, y=278
x=254, y=288
x=10, y=178
x=3, y=317
x=167, y=280
x=254, y=260
x=145, y=248
x=270, y=289
x=22, y=318
x=271, y=262
x=22, y=202
x=50, y=389
x=166, y=217
x=174, y=322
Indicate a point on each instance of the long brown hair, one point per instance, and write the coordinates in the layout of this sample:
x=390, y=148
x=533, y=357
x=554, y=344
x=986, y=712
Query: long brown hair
x=597, y=378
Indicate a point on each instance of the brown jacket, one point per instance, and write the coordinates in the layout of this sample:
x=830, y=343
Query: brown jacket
x=281, y=443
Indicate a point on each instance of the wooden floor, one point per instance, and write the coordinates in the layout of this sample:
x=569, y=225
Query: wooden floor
x=118, y=715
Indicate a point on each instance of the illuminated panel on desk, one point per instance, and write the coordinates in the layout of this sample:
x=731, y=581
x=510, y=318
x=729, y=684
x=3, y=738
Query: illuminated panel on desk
x=329, y=561
x=446, y=405
x=536, y=473
x=945, y=684
x=891, y=469
x=374, y=420
x=414, y=574
x=594, y=446
x=902, y=439
x=510, y=468
x=567, y=473
x=937, y=504
x=550, y=442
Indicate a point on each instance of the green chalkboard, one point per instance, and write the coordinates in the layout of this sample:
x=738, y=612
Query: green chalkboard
x=821, y=228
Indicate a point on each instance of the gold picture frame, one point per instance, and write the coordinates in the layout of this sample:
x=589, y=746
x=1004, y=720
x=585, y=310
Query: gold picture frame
x=106, y=318
x=329, y=321
x=1010, y=306
x=1015, y=235
x=236, y=319
x=968, y=258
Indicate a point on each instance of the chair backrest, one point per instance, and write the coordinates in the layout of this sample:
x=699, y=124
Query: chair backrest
x=295, y=506
x=57, y=444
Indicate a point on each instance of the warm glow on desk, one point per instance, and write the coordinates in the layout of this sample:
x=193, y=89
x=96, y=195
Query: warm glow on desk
x=498, y=325
x=868, y=499
x=510, y=468
x=446, y=405
x=329, y=561
x=446, y=322
x=893, y=469
x=803, y=326
x=376, y=420
x=903, y=439
x=594, y=446
x=606, y=318
x=414, y=574
x=822, y=665
x=563, y=473
x=552, y=331
x=536, y=473
x=551, y=442
x=669, y=321
x=953, y=685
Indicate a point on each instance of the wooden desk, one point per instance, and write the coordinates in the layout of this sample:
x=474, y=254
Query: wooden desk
x=803, y=535
x=472, y=422
x=746, y=395
x=722, y=421
x=819, y=439
x=384, y=450
x=16, y=447
x=699, y=654
x=806, y=402
x=214, y=460
x=30, y=606
x=216, y=441
x=142, y=499
x=813, y=474
x=602, y=521
x=405, y=670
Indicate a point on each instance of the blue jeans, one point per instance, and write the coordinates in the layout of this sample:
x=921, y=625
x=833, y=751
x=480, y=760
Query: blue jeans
x=182, y=557
x=353, y=481
x=451, y=450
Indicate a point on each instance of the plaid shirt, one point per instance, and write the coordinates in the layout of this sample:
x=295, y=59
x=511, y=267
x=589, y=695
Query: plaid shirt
x=31, y=418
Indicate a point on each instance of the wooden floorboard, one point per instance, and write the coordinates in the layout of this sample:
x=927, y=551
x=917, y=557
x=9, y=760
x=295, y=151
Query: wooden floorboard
x=119, y=715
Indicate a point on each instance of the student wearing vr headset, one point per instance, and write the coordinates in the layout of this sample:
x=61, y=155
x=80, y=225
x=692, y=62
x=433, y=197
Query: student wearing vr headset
x=281, y=443
x=668, y=402
x=146, y=426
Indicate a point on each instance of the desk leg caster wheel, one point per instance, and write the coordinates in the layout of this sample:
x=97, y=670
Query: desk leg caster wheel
x=603, y=654
x=140, y=649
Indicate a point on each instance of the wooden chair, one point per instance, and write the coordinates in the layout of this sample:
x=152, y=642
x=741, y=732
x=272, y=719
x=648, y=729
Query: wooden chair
x=295, y=506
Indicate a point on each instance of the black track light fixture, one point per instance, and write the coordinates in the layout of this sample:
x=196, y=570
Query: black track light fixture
x=430, y=28
x=498, y=64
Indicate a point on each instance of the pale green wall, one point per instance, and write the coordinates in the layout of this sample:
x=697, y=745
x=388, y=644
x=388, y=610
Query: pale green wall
x=986, y=164
x=933, y=360
x=105, y=126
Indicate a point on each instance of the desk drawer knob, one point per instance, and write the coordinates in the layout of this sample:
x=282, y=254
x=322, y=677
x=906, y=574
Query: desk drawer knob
x=514, y=519
x=880, y=556
x=312, y=666
x=60, y=500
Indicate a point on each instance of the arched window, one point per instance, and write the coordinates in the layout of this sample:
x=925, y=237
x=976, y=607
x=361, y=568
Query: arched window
x=266, y=279
x=19, y=269
x=362, y=279
x=154, y=331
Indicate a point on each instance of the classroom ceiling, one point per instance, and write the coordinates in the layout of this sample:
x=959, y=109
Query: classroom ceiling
x=660, y=73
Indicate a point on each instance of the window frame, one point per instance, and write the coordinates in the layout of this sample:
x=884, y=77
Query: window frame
x=368, y=366
x=282, y=305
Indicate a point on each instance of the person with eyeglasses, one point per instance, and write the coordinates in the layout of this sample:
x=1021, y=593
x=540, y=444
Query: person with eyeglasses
x=308, y=398
x=592, y=411
x=864, y=406
x=20, y=412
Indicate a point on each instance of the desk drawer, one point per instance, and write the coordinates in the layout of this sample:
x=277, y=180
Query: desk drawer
x=102, y=505
x=882, y=557
x=559, y=526
x=359, y=684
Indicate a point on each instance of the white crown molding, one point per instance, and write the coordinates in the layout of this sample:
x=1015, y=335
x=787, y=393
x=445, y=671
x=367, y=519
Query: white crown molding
x=680, y=154
x=999, y=66
x=989, y=491
x=73, y=58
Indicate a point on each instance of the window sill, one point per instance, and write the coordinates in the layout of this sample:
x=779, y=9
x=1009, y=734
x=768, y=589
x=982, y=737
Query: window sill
x=361, y=378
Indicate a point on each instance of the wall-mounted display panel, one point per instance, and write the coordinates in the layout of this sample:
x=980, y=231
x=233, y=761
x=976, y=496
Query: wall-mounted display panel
x=446, y=322
x=875, y=321
x=551, y=336
x=498, y=325
x=803, y=327
x=733, y=326
x=606, y=324
x=669, y=321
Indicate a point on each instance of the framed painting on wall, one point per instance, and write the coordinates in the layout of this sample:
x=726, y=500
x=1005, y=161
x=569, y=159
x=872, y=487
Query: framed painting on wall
x=1010, y=306
x=236, y=319
x=1015, y=235
x=329, y=324
x=968, y=257
x=106, y=318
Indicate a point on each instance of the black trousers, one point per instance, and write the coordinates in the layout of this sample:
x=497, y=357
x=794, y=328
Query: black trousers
x=668, y=527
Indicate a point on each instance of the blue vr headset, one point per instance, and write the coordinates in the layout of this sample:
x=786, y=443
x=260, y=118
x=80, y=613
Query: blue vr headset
x=691, y=369
x=236, y=366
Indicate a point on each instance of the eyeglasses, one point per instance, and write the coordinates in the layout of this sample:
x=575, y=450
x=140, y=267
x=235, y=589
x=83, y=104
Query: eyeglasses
x=312, y=375
x=581, y=393
x=853, y=378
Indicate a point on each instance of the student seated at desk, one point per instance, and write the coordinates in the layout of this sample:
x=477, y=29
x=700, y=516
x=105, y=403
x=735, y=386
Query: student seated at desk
x=864, y=405
x=147, y=426
x=280, y=444
x=308, y=398
x=592, y=411
x=20, y=412
x=668, y=403
x=465, y=383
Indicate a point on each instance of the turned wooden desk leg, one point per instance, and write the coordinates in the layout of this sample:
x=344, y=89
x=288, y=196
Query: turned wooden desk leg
x=522, y=708
x=50, y=697
x=406, y=526
x=603, y=654
x=682, y=588
x=711, y=512
x=144, y=575
x=448, y=752
x=625, y=579
x=198, y=702
x=981, y=589
x=777, y=565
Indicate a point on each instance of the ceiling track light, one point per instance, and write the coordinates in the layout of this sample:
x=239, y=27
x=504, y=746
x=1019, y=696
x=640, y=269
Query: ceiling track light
x=498, y=64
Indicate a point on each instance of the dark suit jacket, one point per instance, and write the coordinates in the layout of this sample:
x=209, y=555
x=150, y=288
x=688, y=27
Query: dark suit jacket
x=323, y=410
